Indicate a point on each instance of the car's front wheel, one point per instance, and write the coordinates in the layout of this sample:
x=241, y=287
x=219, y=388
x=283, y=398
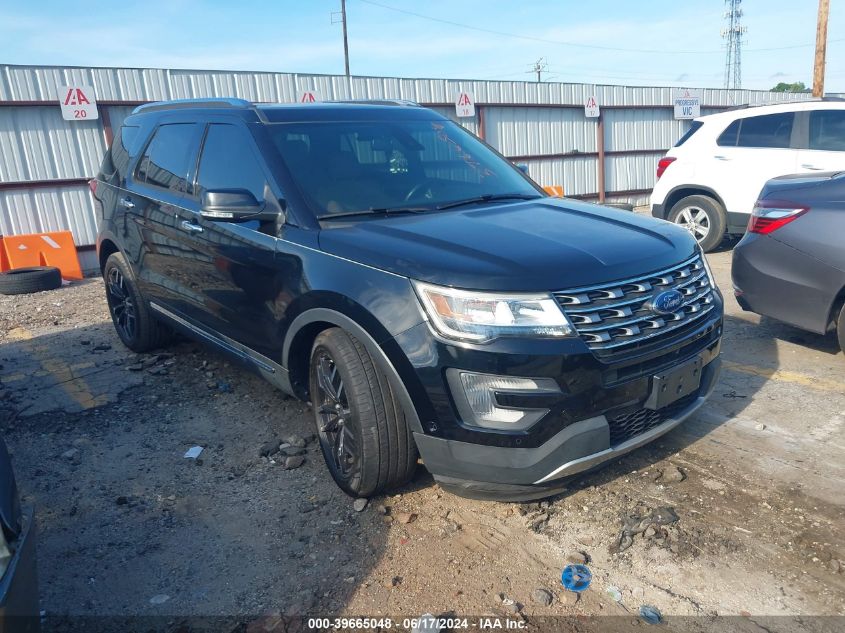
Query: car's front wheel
x=703, y=217
x=840, y=328
x=133, y=320
x=363, y=434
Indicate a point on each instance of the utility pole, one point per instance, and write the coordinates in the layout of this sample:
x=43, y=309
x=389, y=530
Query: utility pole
x=539, y=67
x=345, y=39
x=342, y=15
x=821, y=49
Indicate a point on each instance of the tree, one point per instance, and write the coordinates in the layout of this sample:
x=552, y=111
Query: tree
x=798, y=86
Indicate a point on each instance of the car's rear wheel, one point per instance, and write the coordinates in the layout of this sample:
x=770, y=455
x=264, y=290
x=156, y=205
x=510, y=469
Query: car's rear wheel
x=132, y=318
x=840, y=328
x=703, y=217
x=363, y=434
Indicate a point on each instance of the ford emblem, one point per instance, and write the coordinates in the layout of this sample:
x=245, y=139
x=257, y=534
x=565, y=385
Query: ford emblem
x=667, y=302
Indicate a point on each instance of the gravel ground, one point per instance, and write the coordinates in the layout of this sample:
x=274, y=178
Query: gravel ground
x=130, y=527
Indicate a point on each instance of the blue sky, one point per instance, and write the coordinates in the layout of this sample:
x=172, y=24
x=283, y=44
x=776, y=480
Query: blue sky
x=645, y=42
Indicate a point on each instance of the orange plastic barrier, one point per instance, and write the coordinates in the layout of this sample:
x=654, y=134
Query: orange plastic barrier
x=41, y=249
x=554, y=190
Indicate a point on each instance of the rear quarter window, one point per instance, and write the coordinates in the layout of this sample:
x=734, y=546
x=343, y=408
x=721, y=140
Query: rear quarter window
x=116, y=160
x=695, y=127
x=729, y=136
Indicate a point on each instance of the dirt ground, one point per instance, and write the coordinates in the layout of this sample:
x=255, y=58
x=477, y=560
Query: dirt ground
x=129, y=526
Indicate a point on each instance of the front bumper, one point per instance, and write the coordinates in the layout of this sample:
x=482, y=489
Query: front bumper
x=19, y=585
x=520, y=474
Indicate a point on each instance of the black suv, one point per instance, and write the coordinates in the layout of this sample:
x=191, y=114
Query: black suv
x=420, y=291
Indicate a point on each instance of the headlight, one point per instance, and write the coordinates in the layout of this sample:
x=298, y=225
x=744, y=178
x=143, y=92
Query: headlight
x=481, y=317
x=707, y=268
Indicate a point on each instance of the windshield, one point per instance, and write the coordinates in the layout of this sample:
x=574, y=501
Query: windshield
x=416, y=165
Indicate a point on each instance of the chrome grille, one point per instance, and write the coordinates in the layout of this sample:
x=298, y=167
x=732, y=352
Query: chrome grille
x=617, y=315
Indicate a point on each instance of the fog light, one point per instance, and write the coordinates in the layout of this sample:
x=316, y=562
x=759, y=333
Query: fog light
x=475, y=397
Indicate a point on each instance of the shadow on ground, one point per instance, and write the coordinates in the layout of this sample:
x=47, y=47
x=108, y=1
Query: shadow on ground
x=130, y=527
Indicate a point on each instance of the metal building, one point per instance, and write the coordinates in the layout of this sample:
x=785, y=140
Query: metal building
x=46, y=161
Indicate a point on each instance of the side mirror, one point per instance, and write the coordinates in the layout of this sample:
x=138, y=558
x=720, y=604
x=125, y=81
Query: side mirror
x=234, y=205
x=523, y=168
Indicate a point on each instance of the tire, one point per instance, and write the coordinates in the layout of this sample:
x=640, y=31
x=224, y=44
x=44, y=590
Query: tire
x=131, y=315
x=840, y=328
x=353, y=401
x=709, y=218
x=21, y=281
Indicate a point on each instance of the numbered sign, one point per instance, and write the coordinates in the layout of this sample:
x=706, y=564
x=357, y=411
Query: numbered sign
x=465, y=105
x=591, y=108
x=78, y=103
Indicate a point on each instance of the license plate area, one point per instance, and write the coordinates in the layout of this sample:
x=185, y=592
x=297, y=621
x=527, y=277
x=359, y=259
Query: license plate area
x=675, y=383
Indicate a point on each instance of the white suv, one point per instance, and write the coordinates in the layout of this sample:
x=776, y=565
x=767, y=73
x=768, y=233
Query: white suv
x=709, y=181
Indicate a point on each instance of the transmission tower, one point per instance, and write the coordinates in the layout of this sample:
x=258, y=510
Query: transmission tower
x=733, y=34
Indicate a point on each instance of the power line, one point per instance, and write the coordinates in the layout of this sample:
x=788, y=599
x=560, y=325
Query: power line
x=539, y=67
x=579, y=44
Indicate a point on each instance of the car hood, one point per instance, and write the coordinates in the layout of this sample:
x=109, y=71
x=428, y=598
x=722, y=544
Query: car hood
x=537, y=245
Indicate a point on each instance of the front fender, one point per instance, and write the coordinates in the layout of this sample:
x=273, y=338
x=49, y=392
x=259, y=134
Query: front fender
x=381, y=358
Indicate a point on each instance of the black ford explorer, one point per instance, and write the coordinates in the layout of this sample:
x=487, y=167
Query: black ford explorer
x=429, y=300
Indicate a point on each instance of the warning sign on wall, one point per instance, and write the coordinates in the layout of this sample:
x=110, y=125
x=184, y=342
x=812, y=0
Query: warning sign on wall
x=591, y=108
x=308, y=96
x=465, y=105
x=77, y=103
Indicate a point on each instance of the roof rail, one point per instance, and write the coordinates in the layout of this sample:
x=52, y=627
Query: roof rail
x=393, y=102
x=175, y=104
x=742, y=106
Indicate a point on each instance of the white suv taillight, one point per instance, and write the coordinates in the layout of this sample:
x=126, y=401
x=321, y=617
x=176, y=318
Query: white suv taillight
x=770, y=215
x=663, y=164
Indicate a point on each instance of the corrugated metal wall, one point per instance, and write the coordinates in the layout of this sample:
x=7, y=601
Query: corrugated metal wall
x=558, y=143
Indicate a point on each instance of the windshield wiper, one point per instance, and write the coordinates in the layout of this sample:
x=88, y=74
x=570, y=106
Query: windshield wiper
x=375, y=211
x=490, y=197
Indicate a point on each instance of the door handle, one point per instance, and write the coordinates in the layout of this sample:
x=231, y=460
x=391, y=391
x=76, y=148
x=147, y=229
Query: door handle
x=813, y=167
x=126, y=203
x=190, y=227
x=720, y=157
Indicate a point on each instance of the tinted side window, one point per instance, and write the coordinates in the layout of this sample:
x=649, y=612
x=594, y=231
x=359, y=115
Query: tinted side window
x=769, y=130
x=695, y=127
x=228, y=162
x=168, y=157
x=827, y=130
x=122, y=149
x=728, y=137
x=116, y=160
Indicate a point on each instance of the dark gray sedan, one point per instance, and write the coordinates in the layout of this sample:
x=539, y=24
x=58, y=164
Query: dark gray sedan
x=791, y=263
x=18, y=585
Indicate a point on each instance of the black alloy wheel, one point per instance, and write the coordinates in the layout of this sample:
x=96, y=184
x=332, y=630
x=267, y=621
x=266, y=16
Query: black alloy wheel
x=121, y=305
